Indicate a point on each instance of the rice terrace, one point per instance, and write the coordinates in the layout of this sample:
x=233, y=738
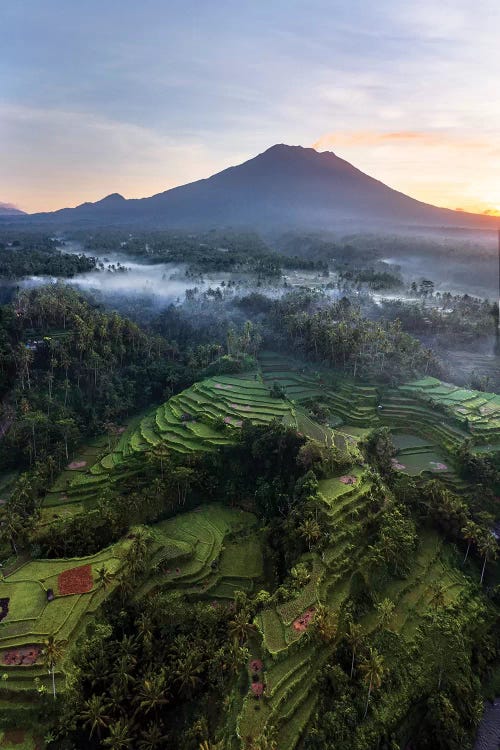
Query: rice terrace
x=214, y=554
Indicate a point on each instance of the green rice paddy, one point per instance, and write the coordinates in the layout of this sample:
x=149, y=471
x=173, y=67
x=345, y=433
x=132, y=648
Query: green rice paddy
x=213, y=551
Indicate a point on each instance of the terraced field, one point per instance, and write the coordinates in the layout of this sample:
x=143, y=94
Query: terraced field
x=201, y=418
x=473, y=412
x=350, y=402
x=209, y=414
x=34, y=614
x=212, y=551
x=291, y=661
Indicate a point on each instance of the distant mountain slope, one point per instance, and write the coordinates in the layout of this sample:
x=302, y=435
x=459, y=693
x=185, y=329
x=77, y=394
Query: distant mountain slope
x=284, y=187
x=7, y=209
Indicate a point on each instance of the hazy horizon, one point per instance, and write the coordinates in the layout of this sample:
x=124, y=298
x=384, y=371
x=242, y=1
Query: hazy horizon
x=146, y=100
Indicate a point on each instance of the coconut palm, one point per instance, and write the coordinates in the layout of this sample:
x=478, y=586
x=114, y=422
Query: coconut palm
x=438, y=598
x=152, y=692
x=373, y=671
x=488, y=549
x=145, y=630
x=354, y=637
x=240, y=627
x=187, y=673
x=94, y=714
x=52, y=651
x=152, y=738
x=326, y=623
x=470, y=534
x=104, y=577
x=119, y=736
x=310, y=530
x=385, y=610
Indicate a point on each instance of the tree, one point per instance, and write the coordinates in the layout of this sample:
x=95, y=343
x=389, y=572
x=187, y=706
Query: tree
x=52, y=651
x=152, y=738
x=488, y=549
x=438, y=598
x=310, y=530
x=326, y=623
x=119, y=736
x=354, y=637
x=470, y=533
x=95, y=714
x=69, y=431
x=373, y=670
x=385, y=610
x=240, y=627
x=104, y=577
x=187, y=673
x=153, y=692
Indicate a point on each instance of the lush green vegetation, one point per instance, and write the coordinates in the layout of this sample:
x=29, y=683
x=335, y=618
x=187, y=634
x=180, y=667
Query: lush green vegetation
x=24, y=253
x=229, y=535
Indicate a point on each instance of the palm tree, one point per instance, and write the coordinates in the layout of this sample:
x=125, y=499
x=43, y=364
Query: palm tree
x=153, y=692
x=119, y=736
x=240, y=627
x=123, y=671
x=488, y=548
x=161, y=453
x=152, y=738
x=104, y=577
x=187, y=674
x=470, y=534
x=437, y=599
x=310, y=530
x=95, y=715
x=354, y=637
x=53, y=651
x=326, y=623
x=385, y=610
x=373, y=671
x=145, y=630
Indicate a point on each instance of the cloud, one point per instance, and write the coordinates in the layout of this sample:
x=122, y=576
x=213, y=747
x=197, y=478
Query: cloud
x=62, y=157
x=404, y=137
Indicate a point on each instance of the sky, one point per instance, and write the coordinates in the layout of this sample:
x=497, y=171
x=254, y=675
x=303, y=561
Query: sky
x=135, y=97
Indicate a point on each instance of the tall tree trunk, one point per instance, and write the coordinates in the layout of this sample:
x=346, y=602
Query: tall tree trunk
x=482, y=572
x=368, y=699
x=466, y=554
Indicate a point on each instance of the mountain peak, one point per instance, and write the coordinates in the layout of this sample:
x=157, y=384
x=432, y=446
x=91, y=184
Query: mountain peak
x=283, y=187
x=9, y=209
x=112, y=198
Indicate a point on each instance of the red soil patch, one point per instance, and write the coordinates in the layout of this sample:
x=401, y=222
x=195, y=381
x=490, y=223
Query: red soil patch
x=257, y=688
x=396, y=465
x=25, y=655
x=13, y=737
x=438, y=466
x=76, y=465
x=75, y=580
x=348, y=479
x=303, y=622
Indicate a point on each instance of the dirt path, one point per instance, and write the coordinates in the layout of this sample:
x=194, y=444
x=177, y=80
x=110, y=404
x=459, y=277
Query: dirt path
x=488, y=736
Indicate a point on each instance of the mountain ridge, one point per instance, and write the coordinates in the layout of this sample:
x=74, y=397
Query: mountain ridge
x=282, y=187
x=8, y=209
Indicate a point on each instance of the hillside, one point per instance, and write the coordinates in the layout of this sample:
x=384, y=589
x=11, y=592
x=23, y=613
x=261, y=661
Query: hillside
x=7, y=209
x=284, y=187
